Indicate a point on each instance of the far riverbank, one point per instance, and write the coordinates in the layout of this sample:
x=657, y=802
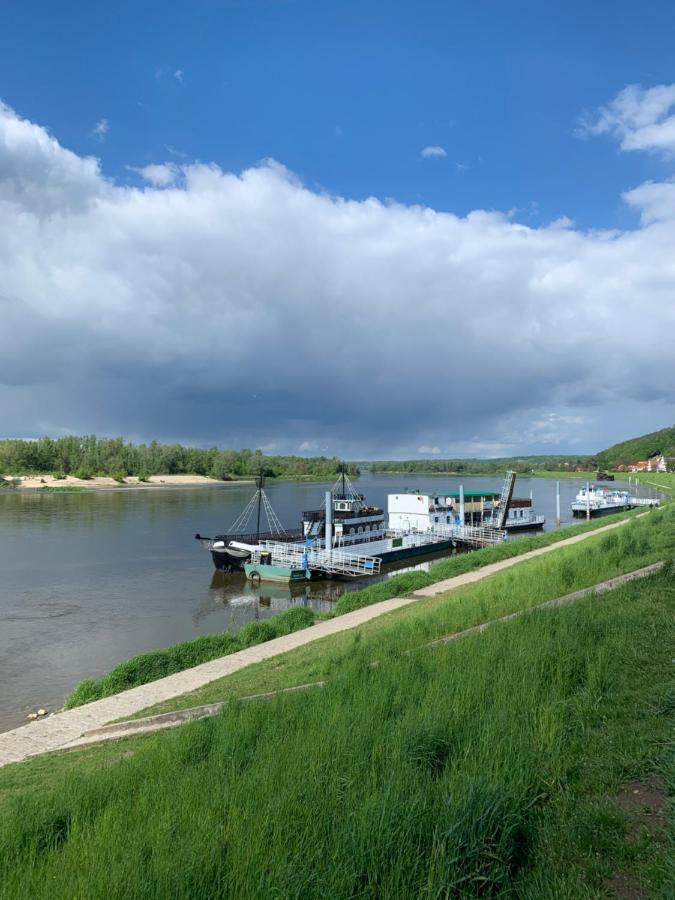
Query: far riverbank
x=106, y=483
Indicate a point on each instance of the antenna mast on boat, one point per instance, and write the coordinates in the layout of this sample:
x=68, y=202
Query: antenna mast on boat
x=343, y=489
x=260, y=482
x=258, y=502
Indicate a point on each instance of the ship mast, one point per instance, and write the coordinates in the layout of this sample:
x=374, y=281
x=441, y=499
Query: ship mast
x=261, y=482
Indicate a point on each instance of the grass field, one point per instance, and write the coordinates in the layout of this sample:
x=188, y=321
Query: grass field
x=489, y=767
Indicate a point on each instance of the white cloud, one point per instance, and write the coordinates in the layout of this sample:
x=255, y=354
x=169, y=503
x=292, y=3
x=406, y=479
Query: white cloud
x=179, y=75
x=426, y=449
x=640, y=118
x=433, y=152
x=158, y=174
x=100, y=130
x=161, y=310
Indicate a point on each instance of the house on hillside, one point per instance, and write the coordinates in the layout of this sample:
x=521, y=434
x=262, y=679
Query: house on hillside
x=654, y=464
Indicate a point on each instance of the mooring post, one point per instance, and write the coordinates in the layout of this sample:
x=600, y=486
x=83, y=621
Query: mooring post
x=329, y=522
x=461, y=505
x=557, y=504
x=588, y=501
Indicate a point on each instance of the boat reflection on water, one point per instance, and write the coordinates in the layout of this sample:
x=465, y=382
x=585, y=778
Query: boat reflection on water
x=246, y=600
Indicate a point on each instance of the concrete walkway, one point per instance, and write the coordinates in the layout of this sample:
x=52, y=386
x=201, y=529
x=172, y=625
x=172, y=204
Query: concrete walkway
x=55, y=732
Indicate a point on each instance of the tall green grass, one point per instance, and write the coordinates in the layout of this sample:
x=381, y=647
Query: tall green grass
x=444, y=773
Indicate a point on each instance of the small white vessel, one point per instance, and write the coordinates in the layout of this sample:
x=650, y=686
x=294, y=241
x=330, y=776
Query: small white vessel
x=597, y=501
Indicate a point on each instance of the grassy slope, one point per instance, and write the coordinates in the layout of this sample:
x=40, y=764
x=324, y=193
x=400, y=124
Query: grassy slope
x=484, y=767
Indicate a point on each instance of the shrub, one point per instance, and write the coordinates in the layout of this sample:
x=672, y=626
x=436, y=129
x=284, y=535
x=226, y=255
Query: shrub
x=120, y=477
x=58, y=476
x=294, y=619
x=257, y=633
x=83, y=474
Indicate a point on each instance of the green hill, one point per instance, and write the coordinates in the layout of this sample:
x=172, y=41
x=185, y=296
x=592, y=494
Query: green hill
x=654, y=444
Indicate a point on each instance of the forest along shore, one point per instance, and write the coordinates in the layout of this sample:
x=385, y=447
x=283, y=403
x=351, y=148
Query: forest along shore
x=102, y=482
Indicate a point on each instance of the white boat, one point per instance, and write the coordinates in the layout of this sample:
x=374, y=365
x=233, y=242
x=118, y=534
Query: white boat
x=597, y=501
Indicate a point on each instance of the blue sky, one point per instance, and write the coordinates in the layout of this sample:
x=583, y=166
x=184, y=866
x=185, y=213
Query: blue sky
x=346, y=94
x=233, y=281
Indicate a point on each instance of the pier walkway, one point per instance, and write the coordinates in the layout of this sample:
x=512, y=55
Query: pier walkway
x=64, y=728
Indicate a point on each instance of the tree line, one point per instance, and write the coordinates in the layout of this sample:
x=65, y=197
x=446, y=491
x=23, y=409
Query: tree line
x=521, y=465
x=88, y=456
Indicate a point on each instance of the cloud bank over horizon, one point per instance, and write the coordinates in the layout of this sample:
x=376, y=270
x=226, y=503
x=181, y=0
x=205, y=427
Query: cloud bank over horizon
x=249, y=310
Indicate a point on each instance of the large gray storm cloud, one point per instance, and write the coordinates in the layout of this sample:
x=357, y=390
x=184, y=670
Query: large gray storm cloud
x=248, y=310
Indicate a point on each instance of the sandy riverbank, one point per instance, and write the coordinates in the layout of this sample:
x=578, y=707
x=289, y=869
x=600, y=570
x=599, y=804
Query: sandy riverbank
x=104, y=483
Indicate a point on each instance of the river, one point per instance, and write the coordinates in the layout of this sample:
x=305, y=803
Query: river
x=90, y=579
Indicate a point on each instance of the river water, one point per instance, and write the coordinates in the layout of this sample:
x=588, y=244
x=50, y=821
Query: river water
x=90, y=579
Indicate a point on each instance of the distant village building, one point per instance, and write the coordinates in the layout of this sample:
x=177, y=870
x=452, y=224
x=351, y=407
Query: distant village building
x=655, y=464
x=642, y=466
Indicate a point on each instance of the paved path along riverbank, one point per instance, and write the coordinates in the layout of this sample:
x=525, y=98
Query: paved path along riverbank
x=61, y=729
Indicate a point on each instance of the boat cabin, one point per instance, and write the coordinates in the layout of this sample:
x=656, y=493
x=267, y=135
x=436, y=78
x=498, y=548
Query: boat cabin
x=354, y=522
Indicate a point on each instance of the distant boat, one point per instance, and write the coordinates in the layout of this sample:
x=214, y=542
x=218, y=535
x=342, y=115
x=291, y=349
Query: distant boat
x=597, y=501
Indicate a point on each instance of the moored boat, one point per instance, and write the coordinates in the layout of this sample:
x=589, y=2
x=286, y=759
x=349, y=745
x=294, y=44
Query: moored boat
x=595, y=501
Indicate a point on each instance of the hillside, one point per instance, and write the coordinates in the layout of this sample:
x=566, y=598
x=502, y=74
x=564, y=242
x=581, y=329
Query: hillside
x=635, y=449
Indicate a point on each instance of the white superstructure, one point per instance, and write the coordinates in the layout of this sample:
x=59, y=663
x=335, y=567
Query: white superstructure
x=420, y=512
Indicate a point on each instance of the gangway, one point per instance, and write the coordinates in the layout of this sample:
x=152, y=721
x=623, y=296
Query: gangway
x=329, y=562
x=471, y=535
x=501, y=510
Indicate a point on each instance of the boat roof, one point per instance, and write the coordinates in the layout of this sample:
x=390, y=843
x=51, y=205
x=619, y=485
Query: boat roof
x=467, y=494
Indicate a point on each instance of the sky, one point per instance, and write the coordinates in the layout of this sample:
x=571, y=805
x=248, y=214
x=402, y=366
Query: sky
x=364, y=229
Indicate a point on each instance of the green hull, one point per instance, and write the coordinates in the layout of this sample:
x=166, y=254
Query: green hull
x=263, y=572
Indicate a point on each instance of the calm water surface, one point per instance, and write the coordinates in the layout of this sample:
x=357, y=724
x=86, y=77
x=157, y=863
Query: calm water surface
x=90, y=579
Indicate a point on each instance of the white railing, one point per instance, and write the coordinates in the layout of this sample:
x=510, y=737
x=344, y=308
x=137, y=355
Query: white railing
x=473, y=535
x=526, y=520
x=298, y=556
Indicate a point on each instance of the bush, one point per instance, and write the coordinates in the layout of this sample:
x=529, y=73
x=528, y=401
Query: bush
x=120, y=477
x=294, y=619
x=83, y=474
x=58, y=476
x=257, y=633
x=143, y=476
